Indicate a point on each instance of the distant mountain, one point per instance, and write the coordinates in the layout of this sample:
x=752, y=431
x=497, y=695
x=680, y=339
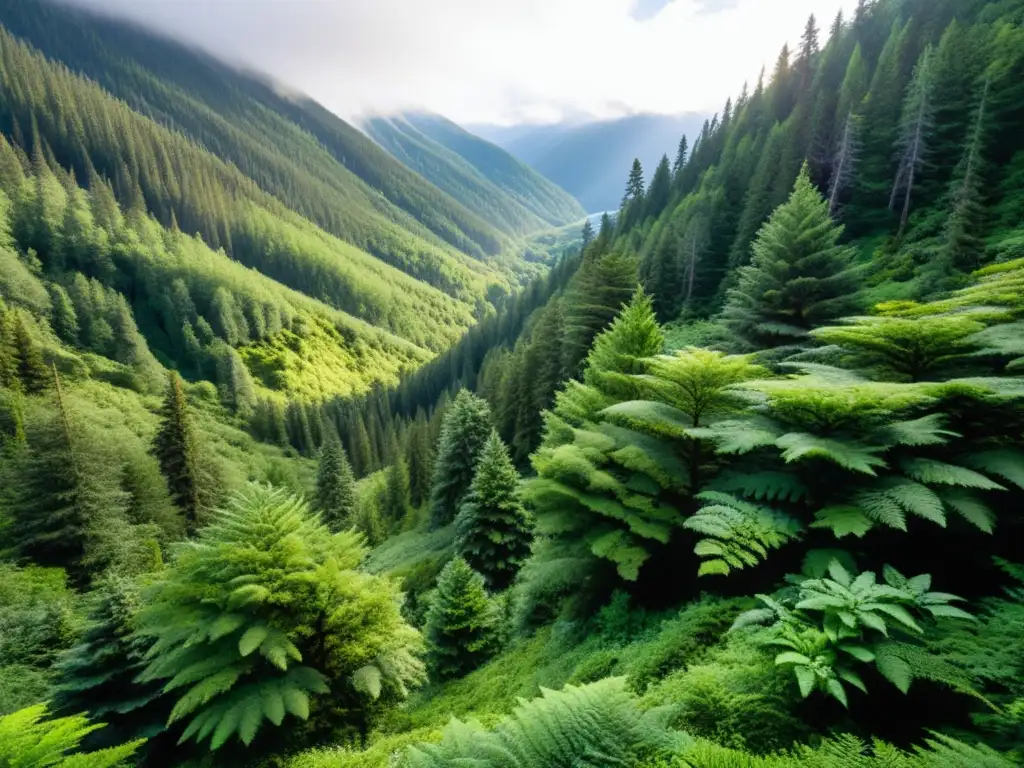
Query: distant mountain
x=506, y=193
x=591, y=160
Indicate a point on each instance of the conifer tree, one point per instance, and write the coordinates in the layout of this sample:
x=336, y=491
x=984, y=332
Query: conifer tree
x=660, y=190
x=681, y=158
x=8, y=352
x=97, y=676
x=587, y=235
x=335, y=487
x=844, y=163
x=799, y=277
x=31, y=369
x=419, y=459
x=493, y=530
x=635, y=183
x=359, y=446
x=963, y=247
x=175, y=447
x=396, y=493
x=597, y=293
x=62, y=316
x=463, y=434
x=459, y=630
x=912, y=142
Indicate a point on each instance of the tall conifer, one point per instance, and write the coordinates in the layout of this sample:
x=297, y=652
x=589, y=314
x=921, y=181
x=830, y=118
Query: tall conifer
x=175, y=447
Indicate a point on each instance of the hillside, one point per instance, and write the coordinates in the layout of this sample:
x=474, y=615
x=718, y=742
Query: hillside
x=589, y=160
x=508, y=194
x=736, y=483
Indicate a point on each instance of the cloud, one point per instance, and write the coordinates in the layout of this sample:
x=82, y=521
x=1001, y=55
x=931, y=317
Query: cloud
x=503, y=61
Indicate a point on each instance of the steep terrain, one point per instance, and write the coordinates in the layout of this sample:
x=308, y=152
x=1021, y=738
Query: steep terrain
x=509, y=195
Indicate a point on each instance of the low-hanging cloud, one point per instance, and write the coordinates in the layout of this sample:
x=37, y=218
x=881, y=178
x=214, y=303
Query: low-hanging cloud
x=503, y=61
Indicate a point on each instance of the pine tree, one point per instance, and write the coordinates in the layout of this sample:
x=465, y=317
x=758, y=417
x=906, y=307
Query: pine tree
x=603, y=284
x=460, y=622
x=359, y=446
x=680, y=161
x=912, y=143
x=31, y=369
x=587, y=235
x=844, y=163
x=466, y=427
x=799, y=277
x=493, y=530
x=335, y=496
x=963, y=248
x=97, y=676
x=175, y=447
x=635, y=183
x=8, y=352
x=62, y=315
x=419, y=459
x=396, y=493
x=660, y=190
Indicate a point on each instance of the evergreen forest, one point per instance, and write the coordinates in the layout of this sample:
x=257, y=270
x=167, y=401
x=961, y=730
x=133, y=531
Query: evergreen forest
x=331, y=449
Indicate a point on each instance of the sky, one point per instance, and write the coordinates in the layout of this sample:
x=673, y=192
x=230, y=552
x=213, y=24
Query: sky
x=495, y=61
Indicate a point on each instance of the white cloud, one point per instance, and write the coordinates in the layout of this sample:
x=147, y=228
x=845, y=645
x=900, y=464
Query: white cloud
x=494, y=60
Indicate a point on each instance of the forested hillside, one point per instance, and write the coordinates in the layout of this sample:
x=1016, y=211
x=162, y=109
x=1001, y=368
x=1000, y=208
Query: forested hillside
x=736, y=483
x=508, y=194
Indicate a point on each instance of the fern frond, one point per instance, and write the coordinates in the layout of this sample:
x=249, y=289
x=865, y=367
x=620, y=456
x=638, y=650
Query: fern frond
x=1007, y=464
x=939, y=473
x=739, y=534
x=857, y=458
x=843, y=521
x=763, y=486
x=969, y=507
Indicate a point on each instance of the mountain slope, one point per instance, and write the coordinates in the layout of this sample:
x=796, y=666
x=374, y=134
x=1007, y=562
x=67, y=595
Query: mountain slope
x=590, y=160
x=327, y=170
x=509, y=195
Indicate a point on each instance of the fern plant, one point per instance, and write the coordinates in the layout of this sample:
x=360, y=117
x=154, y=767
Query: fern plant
x=256, y=616
x=832, y=624
x=28, y=739
x=592, y=726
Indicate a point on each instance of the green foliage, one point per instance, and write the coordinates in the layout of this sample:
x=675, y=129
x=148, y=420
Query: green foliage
x=28, y=740
x=176, y=448
x=335, y=487
x=799, y=277
x=97, y=676
x=467, y=423
x=460, y=623
x=595, y=725
x=256, y=615
x=833, y=623
x=493, y=530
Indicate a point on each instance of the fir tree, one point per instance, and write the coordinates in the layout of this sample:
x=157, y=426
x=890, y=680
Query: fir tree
x=660, y=190
x=587, y=235
x=97, y=676
x=681, y=158
x=912, y=143
x=493, y=530
x=459, y=630
x=419, y=459
x=466, y=427
x=635, y=183
x=597, y=293
x=176, y=449
x=335, y=487
x=62, y=316
x=396, y=493
x=8, y=351
x=799, y=277
x=31, y=369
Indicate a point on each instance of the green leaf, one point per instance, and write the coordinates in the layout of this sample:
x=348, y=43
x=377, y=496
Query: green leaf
x=859, y=652
x=839, y=574
x=895, y=670
x=940, y=473
x=273, y=705
x=835, y=688
x=853, y=679
x=843, y=520
x=899, y=613
x=250, y=720
x=296, y=702
x=857, y=458
x=970, y=507
x=805, y=678
x=252, y=639
x=1007, y=464
x=791, y=657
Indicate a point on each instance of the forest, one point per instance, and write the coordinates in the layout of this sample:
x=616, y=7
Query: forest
x=734, y=480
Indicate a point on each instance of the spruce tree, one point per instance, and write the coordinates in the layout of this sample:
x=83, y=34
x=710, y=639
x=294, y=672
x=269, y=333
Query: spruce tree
x=459, y=630
x=587, y=235
x=680, y=161
x=493, y=530
x=396, y=493
x=335, y=487
x=466, y=427
x=419, y=459
x=660, y=191
x=799, y=277
x=8, y=352
x=176, y=449
x=32, y=371
x=603, y=284
x=97, y=676
x=635, y=183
